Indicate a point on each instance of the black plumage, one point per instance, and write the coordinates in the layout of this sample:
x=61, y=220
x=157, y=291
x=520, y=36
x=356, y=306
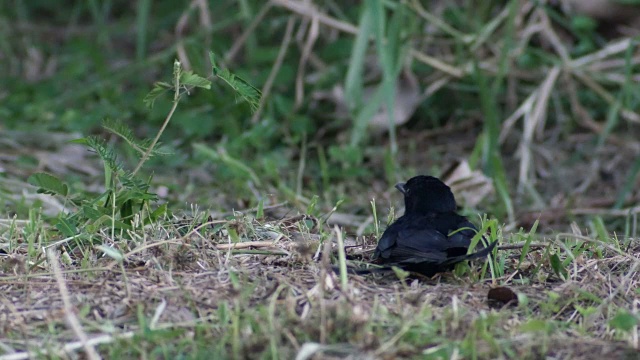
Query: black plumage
x=430, y=237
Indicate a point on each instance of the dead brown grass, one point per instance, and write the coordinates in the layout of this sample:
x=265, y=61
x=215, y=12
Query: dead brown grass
x=182, y=283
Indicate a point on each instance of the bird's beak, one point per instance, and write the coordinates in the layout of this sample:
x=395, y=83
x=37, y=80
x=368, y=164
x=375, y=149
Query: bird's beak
x=400, y=187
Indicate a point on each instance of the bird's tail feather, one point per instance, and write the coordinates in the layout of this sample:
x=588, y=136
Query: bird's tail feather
x=454, y=260
x=363, y=271
x=476, y=255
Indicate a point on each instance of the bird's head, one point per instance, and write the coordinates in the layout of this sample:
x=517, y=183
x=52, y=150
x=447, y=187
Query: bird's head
x=425, y=194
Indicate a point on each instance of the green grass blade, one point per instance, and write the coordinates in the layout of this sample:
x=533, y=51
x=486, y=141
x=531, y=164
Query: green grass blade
x=142, y=22
x=491, y=157
x=354, y=83
x=385, y=54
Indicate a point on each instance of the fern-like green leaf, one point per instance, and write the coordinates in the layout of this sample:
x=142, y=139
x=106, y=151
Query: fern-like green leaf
x=117, y=127
x=159, y=88
x=188, y=78
x=113, y=169
x=247, y=91
x=48, y=184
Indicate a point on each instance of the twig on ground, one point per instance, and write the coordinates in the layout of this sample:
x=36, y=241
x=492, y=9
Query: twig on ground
x=69, y=309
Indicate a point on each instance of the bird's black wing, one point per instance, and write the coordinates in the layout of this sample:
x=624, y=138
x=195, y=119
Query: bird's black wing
x=440, y=239
x=389, y=239
x=476, y=255
x=461, y=233
x=409, y=241
x=422, y=245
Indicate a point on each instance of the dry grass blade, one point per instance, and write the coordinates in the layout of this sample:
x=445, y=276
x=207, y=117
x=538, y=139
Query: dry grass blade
x=266, y=89
x=204, y=21
x=69, y=309
x=312, y=36
x=533, y=120
x=437, y=64
x=73, y=346
x=627, y=114
x=607, y=51
x=309, y=10
x=523, y=109
x=241, y=40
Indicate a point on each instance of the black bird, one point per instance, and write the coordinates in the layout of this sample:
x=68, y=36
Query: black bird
x=430, y=237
